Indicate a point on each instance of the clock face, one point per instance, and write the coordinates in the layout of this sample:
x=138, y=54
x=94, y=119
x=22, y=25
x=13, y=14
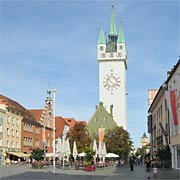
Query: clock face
x=111, y=81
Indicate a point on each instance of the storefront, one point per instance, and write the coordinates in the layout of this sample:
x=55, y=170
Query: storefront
x=16, y=157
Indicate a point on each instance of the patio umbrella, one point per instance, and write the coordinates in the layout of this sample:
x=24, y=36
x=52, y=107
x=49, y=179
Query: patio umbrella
x=82, y=154
x=95, y=147
x=75, y=152
x=58, y=145
x=67, y=150
x=100, y=149
x=104, y=152
x=109, y=155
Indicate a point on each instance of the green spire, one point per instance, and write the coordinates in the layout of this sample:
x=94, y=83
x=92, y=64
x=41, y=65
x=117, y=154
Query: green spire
x=113, y=24
x=102, y=39
x=120, y=36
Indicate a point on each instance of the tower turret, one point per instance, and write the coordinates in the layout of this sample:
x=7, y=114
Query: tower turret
x=112, y=36
x=101, y=44
x=121, y=46
x=49, y=98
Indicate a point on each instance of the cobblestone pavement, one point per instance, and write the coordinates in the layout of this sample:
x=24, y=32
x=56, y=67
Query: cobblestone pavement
x=121, y=173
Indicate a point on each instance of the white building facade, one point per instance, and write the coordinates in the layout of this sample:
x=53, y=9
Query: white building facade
x=164, y=117
x=173, y=104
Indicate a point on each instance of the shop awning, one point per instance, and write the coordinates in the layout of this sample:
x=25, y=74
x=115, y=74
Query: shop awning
x=18, y=154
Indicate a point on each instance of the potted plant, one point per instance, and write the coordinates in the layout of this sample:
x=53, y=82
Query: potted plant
x=89, y=160
x=37, y=155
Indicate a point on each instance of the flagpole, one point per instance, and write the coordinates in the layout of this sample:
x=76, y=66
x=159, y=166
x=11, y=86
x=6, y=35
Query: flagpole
x=54, y=163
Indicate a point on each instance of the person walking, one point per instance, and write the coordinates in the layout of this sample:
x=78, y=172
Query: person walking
x=131, y=163
x=148, y=167
x=155, y=170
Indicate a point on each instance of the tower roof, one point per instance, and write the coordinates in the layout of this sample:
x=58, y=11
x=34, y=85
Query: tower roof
x=102, y=39
x=121, y=38
x=113, y=24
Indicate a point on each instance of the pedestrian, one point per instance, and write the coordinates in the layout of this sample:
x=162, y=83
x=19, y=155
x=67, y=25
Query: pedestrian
x=148, y=167
x=155, y=170
x=131, y=163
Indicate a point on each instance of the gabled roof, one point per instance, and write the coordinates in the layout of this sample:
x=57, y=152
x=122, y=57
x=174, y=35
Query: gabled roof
x=36, y=113
x=101, y=119
x=9, y=103
x=70, y=121
x=60, y=123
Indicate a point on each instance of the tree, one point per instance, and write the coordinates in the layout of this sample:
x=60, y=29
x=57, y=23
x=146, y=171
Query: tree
x=164, y=153
x=37, y=154
x=118, y=141
x=80, y=134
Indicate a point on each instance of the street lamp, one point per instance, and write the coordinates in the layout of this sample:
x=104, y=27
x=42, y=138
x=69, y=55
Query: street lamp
x=54, y=163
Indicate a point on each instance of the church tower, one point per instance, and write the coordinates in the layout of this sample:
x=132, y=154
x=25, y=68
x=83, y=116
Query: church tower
x=112, y=59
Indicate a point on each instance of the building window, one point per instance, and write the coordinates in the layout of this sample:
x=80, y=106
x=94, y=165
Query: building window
x=0, y=127
x=12, y=144
x=101, y=48
x=12, y=132
x=103, y=55
x=8, y=131
x=17, y=145
x=37, y=130
x=120, y=47
x=1, y=142
x=37, y=142
x=105, y=119
x=8, y=119
x=96, y=119
x=17, y=122
x=8, y=144
x=12, y=120
x=17, y=134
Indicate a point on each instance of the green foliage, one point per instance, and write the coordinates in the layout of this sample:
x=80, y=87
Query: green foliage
x=164, y=153
x=118, y=141
x=89, y=157
x=37, y=154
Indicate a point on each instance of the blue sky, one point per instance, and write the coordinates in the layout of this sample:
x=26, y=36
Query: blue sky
x=56, y=41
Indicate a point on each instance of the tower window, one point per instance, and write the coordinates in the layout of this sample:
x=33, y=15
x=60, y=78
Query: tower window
x=103, y=55
x=120, y=47
x=119, y=54
x=101, y=48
